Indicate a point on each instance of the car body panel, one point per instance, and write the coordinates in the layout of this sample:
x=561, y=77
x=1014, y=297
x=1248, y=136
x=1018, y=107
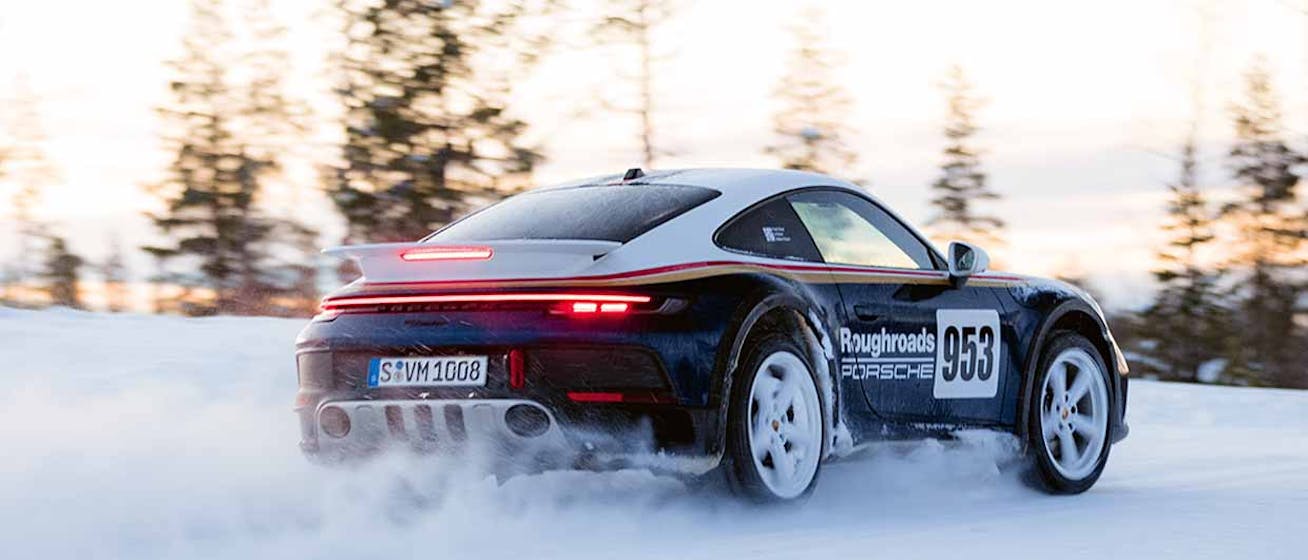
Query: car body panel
x=904, y=390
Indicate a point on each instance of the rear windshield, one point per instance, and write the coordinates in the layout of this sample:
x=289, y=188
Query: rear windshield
x=602, y=213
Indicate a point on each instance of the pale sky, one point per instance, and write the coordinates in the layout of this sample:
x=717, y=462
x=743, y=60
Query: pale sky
x=1084, y=98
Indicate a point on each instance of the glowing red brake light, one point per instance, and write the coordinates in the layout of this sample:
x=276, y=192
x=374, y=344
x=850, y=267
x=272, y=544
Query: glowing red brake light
x=593, y=307
x=584, y=307
x=448, y=254
x=645, y=397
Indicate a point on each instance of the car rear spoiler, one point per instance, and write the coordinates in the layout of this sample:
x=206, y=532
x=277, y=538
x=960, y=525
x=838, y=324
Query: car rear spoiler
x=435, y=262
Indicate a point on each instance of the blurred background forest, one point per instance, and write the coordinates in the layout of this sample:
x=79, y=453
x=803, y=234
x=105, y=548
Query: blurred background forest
x=194, y=160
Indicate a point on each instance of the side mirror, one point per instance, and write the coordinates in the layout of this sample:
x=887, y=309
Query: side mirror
x=966, y=259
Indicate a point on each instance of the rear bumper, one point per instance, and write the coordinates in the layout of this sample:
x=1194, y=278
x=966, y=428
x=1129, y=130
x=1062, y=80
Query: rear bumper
x=369, y=425
x=517, y=434
x=641, y=383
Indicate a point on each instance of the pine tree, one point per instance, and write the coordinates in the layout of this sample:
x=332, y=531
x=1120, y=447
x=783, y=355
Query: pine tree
x=1188, y=324
x=113, y=273
x=632, y=23
x=212, y=186
x=30, y=170
x=1268, y=263
x=428, y=131
x=811, y=123
x=273, y=127
x=962, y=185
x=273, y=123
x=232, y=125
x=61, y=275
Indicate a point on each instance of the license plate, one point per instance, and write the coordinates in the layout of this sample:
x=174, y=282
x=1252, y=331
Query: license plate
x=442, y=371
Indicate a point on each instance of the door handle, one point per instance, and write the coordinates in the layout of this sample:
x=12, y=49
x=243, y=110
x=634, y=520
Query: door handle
x=866, y=312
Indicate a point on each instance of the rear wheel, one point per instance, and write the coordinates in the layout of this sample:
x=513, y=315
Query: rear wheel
x=1069, y=420
x=776, y=430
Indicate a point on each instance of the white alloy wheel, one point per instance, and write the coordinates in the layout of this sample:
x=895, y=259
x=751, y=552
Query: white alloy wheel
x=785, y=425
x=1074, y=409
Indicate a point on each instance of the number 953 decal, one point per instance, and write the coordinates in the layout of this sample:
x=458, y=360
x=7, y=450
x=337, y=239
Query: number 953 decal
x=968, y=354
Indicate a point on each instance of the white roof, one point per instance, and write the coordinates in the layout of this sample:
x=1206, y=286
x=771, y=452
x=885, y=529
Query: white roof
x=687, y=238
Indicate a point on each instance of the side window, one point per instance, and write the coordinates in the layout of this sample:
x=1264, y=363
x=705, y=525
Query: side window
x=848, y=229
x=771, y=230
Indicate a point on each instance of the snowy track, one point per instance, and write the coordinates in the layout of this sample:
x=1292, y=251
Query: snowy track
x=149, y=437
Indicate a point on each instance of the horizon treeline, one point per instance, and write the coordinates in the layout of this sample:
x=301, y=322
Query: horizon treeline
x=1232, y=301
x=426, y=135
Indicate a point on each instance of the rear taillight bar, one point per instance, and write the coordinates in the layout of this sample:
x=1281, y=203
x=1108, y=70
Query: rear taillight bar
x=598, y=299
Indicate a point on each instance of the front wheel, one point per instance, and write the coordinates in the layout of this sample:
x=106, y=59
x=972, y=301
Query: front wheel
x=775, y=429
x=1069, y=420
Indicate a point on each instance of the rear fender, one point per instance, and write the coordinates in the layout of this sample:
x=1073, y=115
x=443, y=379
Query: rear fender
x=770, y=297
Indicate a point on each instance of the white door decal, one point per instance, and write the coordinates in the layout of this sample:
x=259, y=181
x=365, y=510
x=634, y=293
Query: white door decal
x=969, y=354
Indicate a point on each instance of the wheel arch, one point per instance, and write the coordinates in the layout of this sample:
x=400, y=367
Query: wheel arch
x=1080, y=318
x=783, y=307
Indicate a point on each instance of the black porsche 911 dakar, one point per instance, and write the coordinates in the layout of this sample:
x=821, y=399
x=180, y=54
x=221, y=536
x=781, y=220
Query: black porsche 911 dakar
x=751, y=322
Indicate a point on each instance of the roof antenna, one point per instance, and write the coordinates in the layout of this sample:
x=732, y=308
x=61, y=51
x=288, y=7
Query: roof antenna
x=633, y=173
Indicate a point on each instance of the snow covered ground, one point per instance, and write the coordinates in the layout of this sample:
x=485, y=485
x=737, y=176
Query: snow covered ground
x=156, y=437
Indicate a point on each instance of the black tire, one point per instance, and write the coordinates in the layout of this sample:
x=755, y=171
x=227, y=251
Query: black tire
x=741, y=472
x=1042, y=472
